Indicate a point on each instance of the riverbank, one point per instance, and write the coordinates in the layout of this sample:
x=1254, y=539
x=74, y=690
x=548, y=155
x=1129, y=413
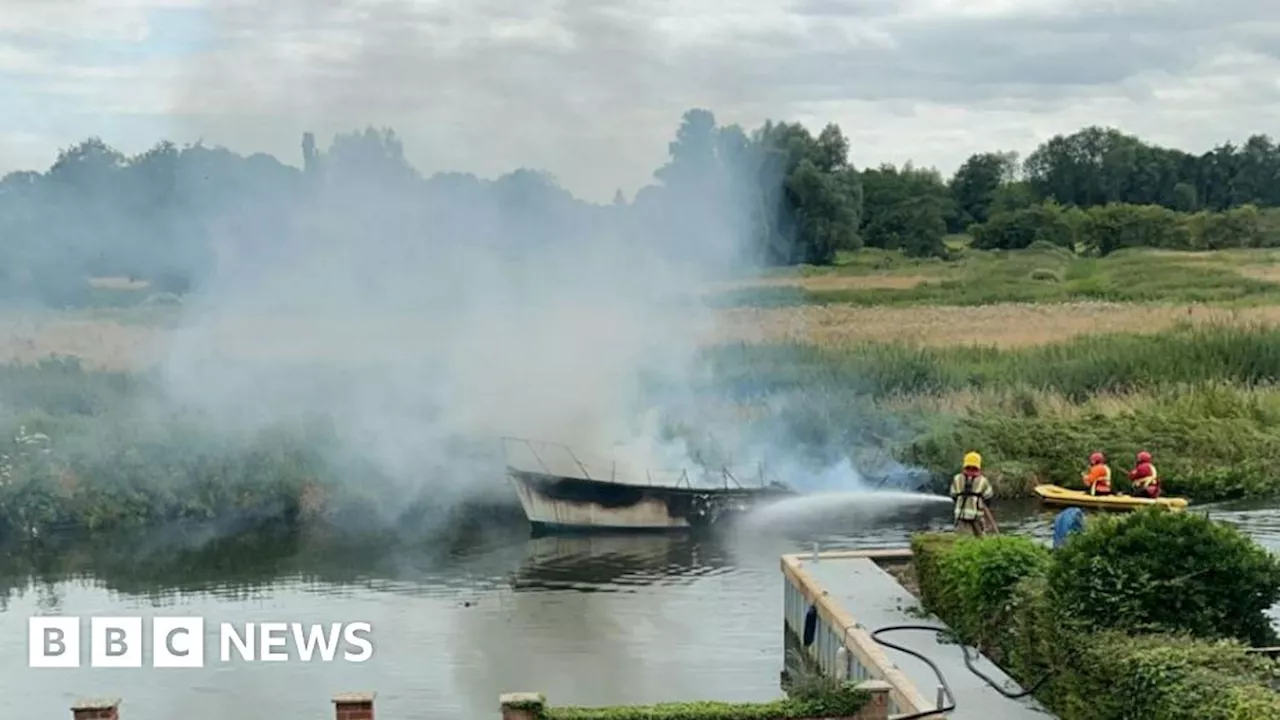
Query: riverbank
x=86, y=450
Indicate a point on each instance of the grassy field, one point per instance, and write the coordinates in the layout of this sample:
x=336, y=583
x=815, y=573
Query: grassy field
x=1009, y=300
x=1034, y=358
x=1043, y=273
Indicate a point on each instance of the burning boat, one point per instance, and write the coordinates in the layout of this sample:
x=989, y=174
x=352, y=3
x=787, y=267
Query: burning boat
x=559, y=492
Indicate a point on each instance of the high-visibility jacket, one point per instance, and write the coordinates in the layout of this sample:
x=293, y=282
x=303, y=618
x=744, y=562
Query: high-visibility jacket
x=1144, y=476
x=970, y=493
x=1098, y=479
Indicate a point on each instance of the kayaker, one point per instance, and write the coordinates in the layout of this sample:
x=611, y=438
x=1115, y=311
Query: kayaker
x=971, y=493
x=1098, y=478
x=1146, y=482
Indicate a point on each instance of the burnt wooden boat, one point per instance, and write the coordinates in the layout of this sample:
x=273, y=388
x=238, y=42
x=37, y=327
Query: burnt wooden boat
x=563, y=499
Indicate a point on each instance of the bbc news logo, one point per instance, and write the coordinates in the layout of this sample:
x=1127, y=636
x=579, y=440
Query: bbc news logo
x=179, y=642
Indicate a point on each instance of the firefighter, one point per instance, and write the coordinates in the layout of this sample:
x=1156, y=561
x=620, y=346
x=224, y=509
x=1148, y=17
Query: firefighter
x=971, y=493
x=1097, y=480
x=1146, y=482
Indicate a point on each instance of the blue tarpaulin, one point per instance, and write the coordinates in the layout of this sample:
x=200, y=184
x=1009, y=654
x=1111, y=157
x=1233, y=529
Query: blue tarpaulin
x=1068, y=521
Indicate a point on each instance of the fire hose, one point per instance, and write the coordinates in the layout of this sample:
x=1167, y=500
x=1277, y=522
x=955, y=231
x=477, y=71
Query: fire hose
x=948, y=693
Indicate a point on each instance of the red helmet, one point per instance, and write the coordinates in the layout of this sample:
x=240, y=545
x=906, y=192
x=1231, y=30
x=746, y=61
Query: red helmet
x=1144, y=457
x=1097, y=458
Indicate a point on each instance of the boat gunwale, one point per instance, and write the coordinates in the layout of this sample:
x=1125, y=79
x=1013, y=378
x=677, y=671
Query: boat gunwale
x=745, y=490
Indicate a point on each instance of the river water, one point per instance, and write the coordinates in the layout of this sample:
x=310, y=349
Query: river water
x=586, y=620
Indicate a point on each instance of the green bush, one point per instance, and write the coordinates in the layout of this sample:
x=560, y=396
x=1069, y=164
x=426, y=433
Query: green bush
x=1108, y=228
x=1240, y=227
x=844, y=702
x=928, y=550
x=1108, y=675
x=974, y=583
x=1157, y=570
x=1045, y=223
x=1165, y=677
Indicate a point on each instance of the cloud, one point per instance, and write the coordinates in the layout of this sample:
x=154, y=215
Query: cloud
x=592, y=89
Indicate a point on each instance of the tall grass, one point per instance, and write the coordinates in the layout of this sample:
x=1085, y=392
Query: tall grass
x=1201, y=398
x=1078, y=368
x=1210, y=441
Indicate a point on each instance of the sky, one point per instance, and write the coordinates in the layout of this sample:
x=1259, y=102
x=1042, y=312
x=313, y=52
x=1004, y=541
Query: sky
x=592, y=90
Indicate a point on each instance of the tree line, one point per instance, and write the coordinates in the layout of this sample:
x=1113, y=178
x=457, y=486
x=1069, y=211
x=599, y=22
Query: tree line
x=777, y=195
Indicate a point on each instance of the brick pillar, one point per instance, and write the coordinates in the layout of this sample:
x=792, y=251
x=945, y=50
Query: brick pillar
x=522, y=706
x=353, y=706
x=877, y=708
x=101, y=709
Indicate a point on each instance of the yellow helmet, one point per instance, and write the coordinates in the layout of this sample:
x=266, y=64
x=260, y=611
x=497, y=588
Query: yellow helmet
x=973, y=460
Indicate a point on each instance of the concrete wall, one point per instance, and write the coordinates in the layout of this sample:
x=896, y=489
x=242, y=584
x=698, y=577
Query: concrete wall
x=842, y=648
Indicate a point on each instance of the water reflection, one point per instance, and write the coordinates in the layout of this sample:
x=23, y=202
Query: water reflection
x=459, y=616
x=619, y=563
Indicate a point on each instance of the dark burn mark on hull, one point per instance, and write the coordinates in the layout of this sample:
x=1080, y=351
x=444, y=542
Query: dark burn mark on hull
x=697, y=506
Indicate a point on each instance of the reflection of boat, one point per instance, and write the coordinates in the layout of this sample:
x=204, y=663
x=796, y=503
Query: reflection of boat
x=609, y=562
x=1055, y=495
x=571, y=497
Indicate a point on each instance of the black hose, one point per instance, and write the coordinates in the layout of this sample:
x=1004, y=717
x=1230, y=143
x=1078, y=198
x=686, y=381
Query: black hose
x=942, y=680
x=968, y=662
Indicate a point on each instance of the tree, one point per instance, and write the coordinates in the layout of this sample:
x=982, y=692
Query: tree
x=905, y=209
x=977, y=182
x=779, y=194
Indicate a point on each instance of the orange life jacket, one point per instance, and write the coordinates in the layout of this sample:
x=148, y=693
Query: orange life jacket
x=1098, y=479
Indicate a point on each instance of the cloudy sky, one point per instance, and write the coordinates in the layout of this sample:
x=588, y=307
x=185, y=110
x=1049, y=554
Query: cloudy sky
x=592, y=89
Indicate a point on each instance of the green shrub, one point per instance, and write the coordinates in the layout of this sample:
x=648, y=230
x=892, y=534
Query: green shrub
x=1016, y=229
x=1109, y=228
x=844, y=702
x=1039, y=639
x=1108, y=675
x=1157, y=570
x=1165, y=677
x=975, y=583
x=928, y=551
x=1239, y=227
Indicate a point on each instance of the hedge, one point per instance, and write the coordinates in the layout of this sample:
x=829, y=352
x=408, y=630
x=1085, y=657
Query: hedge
x=1206, y=578
x=1113, y=674
x=844, y=702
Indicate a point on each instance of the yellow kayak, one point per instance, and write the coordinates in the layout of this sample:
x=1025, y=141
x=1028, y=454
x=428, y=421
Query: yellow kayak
x=1056, y=495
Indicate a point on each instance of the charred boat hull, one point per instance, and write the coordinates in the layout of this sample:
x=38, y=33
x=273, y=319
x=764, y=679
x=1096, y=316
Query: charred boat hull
x=557, y=503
